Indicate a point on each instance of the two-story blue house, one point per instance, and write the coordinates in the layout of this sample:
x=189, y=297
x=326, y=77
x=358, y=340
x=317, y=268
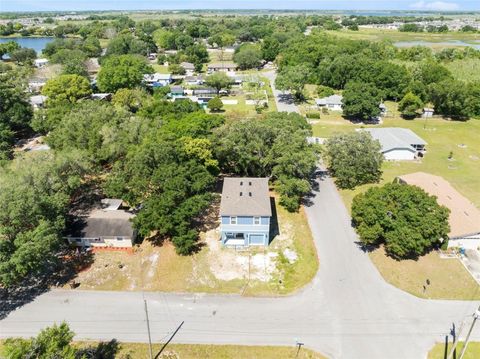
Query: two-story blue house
x=245, y=212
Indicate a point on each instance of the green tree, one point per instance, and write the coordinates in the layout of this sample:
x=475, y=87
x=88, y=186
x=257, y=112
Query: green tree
x=36, y=192
x=215, y=104
x=95, y=127
x=15, y=110
x=404, y=218
x=8, y=47
x=23, y=56
x=131, y=99
x=171, y=182
x=293, y=78
x=124, y=44
x=361, y=101
x=248, y=57
x=176, y=69
x=51, y=342
x=219, y=80
x=353, y=159
x=125, y=71
x=324, y=91
x=430, y=72
x=451, y=98
x=410, y=105
x=69, y=88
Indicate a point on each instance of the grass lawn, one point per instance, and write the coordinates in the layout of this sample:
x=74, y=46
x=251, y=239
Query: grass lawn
x=473, y=351
x=448, y=277
x=161, y=69
x=214, y=269
x=194, y=351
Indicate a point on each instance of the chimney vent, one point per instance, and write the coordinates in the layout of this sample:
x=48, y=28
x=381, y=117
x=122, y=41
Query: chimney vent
x=250, y=194
x=241, y=194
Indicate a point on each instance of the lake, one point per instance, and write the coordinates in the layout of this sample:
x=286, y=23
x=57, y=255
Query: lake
x=36, y=43
x=433, y=43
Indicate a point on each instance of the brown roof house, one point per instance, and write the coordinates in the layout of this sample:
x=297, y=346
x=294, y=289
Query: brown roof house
x=105, y=226
x=464, y=217
x=245, y=212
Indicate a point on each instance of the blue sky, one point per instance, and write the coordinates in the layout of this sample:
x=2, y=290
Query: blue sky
x=60, y=5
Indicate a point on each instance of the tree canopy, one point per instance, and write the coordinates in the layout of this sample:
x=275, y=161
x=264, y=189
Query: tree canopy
x=361, y=101
x=353, y=159
x=124, y=71
x=404, y=218
x=69, y=88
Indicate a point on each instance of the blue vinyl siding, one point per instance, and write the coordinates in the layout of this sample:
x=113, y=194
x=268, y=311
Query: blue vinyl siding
x=265, y=220
x=225, y=220
x=244, y=220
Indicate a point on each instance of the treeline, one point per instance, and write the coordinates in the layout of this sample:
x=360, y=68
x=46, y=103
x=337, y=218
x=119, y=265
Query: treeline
x=370, y=72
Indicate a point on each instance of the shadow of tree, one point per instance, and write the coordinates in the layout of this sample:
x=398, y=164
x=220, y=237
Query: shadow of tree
x=58, y=273
x=104, y=350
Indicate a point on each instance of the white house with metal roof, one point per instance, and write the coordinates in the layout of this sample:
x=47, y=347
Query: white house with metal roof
x=245, y=212
x=333, y=103
x=398, y=143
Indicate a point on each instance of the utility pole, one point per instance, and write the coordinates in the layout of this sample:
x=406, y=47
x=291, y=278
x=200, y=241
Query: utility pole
x=148, y=329
x=456, y=336
x=476, y=315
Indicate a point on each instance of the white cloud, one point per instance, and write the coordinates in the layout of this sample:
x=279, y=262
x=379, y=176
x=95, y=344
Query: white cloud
x=435, y=5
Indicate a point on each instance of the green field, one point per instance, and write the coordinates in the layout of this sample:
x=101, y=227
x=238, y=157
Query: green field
x=473, y=351
x=465, y=70
x=395, y=35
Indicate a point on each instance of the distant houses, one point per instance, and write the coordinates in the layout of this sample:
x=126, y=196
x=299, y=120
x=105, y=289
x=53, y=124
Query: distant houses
x=464, y=219
x=105, y=226
x=245, y=212
x=188, y=67
x=225, y=67
x=157, y=79
x=398, y=143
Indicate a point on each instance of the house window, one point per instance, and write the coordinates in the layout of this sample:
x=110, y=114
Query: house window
x=233, y=220
x=119, y=238
x=256, y=220
x=78, y=240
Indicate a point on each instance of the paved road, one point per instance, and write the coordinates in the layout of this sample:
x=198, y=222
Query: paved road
x=348, y=311
x=283, y=99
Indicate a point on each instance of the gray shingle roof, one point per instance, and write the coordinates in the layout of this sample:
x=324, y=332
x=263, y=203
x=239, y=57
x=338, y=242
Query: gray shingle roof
x=245, y=196
x=394, y=137
x=103, y=223
x=330, y=100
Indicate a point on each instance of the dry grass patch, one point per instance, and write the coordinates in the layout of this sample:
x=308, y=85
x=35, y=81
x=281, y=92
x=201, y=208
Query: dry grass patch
x=448, y=277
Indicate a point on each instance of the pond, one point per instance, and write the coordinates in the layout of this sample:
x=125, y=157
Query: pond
x=36, y=43
x=475, y=44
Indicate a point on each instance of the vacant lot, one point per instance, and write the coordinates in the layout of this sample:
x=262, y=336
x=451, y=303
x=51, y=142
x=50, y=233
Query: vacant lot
x=448, y=278
x=289, y=263
x=438, y=351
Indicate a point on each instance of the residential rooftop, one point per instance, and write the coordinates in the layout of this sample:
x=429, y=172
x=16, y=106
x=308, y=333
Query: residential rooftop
x=245, y=196
x=395, y=137
x=330, y=100
x=464, y=217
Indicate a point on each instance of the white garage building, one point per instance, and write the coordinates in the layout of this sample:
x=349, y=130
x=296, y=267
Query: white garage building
x=398, y=143
x=464, y=217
